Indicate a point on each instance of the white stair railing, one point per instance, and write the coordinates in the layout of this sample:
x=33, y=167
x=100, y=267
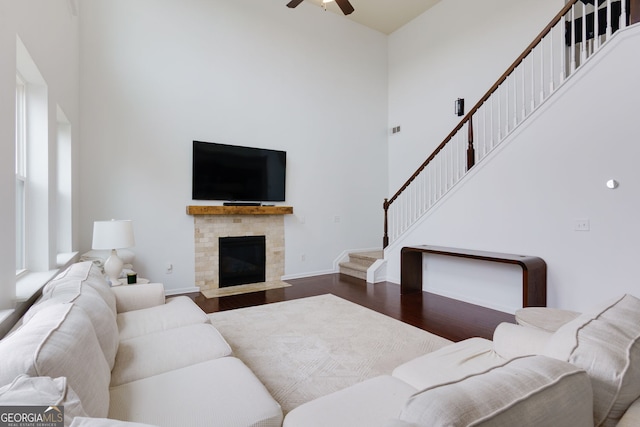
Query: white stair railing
x=569, y=40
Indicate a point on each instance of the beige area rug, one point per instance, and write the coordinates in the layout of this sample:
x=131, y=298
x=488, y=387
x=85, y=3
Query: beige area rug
x=307, y=348
x=243, y=289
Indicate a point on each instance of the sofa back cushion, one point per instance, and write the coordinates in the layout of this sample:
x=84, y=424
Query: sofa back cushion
x=90, y=275
x=529, y=391
x=606, y=344
x=59, y=341
x=102, y=318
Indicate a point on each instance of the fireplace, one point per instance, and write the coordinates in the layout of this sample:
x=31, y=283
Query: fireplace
x=214, y=222
x=242, y=260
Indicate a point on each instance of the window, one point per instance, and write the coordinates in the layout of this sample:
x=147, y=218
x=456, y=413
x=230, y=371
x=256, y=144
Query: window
x=64, y=168
x=21, y=174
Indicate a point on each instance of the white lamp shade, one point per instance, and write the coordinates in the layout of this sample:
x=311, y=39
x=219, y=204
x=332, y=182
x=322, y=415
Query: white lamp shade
x=114, y=234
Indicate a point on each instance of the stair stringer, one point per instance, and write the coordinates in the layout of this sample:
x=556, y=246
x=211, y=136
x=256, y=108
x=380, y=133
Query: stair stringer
x=377, y=272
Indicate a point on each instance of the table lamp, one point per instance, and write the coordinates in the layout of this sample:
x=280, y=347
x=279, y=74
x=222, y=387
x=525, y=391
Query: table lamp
x=113, y=235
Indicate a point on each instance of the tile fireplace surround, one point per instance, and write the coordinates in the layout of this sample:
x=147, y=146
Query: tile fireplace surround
x=213, y=222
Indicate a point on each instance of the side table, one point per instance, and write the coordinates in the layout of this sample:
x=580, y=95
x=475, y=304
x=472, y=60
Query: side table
x=139, y=281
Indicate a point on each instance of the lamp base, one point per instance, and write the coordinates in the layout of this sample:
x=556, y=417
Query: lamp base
x=113, y=268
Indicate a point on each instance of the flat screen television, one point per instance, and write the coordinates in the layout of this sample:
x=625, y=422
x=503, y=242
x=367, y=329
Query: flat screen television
x=238, y=174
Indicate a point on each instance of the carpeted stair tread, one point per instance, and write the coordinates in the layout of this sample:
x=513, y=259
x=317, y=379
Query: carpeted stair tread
x=365, y=258
x=354, y=266
x=353, y=270
x=359, y=263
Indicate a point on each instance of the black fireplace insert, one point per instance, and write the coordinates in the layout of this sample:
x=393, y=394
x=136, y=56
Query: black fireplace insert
x=242, y=260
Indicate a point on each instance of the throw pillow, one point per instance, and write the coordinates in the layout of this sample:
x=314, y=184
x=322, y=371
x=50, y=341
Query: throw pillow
x=606, y=344
x=44, y=391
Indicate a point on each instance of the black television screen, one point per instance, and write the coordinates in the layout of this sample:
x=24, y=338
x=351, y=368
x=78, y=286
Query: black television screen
x=234, y=173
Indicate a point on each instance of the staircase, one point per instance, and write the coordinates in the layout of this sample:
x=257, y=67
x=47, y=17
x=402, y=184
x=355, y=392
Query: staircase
x=572, y=37
x=359, y=263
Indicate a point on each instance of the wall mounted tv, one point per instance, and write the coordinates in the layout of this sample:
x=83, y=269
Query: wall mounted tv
x=238, y=174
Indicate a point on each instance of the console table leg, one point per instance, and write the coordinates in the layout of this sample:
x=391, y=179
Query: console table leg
x=410, y=272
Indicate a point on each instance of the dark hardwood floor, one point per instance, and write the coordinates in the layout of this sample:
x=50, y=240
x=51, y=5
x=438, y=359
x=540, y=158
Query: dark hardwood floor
x=451, y=319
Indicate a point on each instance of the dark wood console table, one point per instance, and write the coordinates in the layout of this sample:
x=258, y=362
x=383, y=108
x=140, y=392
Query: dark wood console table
x=534, y=270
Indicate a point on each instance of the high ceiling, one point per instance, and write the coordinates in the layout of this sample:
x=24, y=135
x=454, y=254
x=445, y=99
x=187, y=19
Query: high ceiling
x=385, y=16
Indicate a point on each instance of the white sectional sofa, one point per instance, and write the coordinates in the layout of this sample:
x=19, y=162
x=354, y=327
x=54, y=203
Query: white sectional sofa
x=126, y=356
x=123, y=353
x=567, y=370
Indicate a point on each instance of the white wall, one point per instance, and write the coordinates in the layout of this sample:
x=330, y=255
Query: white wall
x=49, y=31
x=457, y=49
x=157, y=74
x=526, y=197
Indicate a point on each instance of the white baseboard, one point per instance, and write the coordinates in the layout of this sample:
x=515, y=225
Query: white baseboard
x=181, y=291
x=307, y=274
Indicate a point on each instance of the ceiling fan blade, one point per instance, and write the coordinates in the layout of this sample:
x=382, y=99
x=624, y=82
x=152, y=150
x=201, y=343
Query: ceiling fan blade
x=345, y=6
x=294, y=3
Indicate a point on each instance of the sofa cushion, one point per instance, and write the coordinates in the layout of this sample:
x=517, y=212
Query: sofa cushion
x=365, y=404
x=449, y=363
x=178, y=311
x=90, y=275
x=606, y=344
x=221, y=392
x=529, y=391
x=164, y=351
x=59, y=341
x=42, y=391
x=86, y=297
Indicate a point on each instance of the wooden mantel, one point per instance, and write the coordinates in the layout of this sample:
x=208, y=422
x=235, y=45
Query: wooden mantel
x=239, y=210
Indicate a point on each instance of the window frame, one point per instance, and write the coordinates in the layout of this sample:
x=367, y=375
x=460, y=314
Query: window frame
x=21, y=173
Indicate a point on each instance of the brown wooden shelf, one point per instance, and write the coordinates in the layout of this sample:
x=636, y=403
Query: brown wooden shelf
x=534, y=270
x=239, y=210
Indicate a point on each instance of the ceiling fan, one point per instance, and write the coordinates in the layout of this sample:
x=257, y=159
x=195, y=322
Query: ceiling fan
x=344, y=5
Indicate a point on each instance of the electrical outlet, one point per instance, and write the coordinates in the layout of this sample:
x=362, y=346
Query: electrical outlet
x=169, y=269
x=303, y=257
x=581, y=224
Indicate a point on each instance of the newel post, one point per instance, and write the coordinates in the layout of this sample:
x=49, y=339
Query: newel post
x=634, y=11
x=385, y=238
x=471, y=152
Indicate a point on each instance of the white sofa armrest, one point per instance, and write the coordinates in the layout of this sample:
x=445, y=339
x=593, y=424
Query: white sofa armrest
x=449, y=363
x=371, y=403
x=511, y=341
x=137, y=297
x=631, y=418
